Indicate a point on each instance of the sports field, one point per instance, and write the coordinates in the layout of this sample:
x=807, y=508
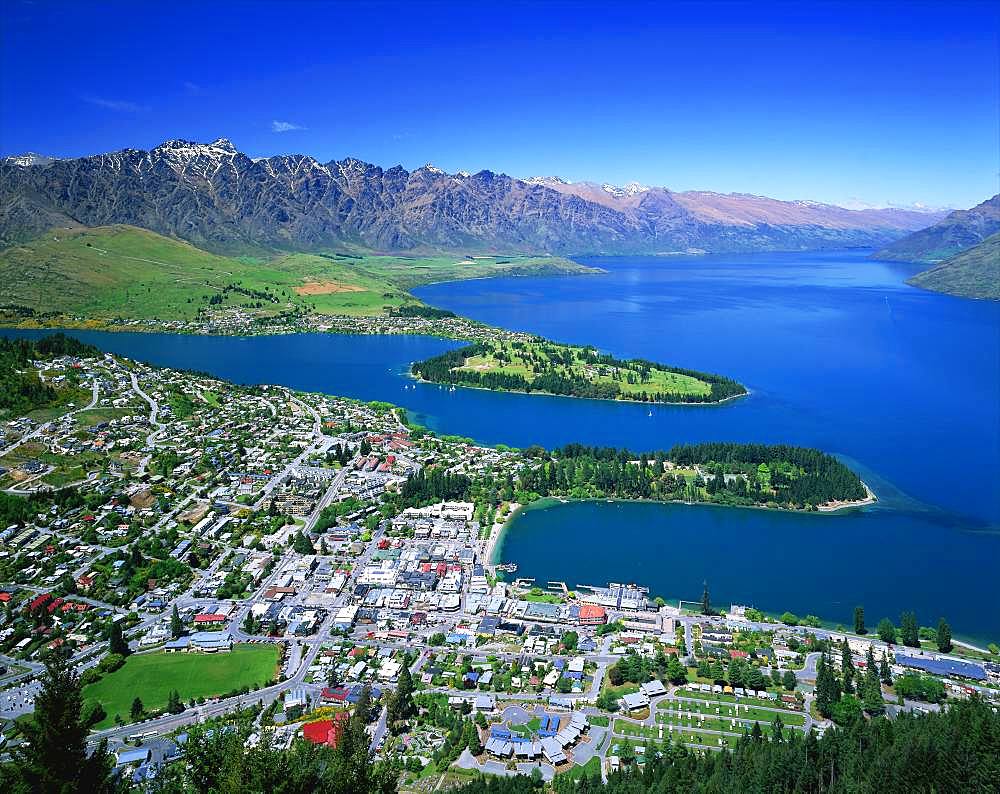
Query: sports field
x=153, y=676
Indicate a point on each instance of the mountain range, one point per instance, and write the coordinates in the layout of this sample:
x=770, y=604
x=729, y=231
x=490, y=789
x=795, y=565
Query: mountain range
x=218, y=198
x=957, y=232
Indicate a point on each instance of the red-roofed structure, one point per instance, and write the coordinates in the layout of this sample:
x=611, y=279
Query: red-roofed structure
x=328, y=732
x=206, y=617
x=592, y=615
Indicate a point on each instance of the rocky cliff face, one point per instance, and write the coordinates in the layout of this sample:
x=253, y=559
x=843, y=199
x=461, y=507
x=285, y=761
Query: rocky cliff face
x=218, y=198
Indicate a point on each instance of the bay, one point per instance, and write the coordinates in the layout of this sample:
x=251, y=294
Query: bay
x=839, y=353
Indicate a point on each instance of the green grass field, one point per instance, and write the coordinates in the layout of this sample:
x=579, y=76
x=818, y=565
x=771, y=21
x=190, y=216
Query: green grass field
x=123, y=271
x=729, y=711
x=152, y=677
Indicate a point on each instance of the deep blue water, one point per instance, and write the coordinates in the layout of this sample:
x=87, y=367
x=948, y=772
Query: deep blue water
x=824, y=564
x=839, y=354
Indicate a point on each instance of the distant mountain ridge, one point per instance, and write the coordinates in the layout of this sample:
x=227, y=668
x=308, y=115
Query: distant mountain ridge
x=956, y=232
x=219, y=199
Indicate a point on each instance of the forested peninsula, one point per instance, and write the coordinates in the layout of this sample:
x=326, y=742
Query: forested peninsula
x=737, y=475
x=573, y=371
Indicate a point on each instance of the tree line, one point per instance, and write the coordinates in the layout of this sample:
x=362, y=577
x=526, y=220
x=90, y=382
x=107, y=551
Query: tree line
x=21, y=390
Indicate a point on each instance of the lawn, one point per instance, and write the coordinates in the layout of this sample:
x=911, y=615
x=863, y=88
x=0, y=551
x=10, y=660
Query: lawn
x=152, y=676
x=723, y=698
x=745, y=712
x=590, y=769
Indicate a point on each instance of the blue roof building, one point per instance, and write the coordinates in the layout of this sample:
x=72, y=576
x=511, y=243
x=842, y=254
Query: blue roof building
x=955, y=667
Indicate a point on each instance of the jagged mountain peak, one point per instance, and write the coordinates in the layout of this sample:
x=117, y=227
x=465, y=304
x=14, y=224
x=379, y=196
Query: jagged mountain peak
x=547, y=180
x=29, y=159
x=216, y=197
x=625, y=191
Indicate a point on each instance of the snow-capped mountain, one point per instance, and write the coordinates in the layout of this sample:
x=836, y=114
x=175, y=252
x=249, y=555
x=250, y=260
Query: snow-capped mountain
x=216, y=197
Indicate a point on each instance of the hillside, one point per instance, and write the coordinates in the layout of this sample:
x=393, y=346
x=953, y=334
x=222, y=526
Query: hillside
x=974, y=273
x=122, y=271
x=957, y=232
x=217, y=198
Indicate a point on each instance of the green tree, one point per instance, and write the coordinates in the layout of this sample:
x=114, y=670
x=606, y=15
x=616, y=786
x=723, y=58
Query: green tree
x=676, y=672
x=909, y=630
x=302, y=544
x=859, y=621
x=471, y=738
x=872, y=687
x=886, y=631
x=944, y=636
x=176, y=627
x=136, y=711
x=776, y=728
x=884, y=673
x=54, y=757
x=116, y=640
x=788, y=681
x=827, y=688
x=250, y=625
x=400, y=706
x=706, y=602
x=846, y=666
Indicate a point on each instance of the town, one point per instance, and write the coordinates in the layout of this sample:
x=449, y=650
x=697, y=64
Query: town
x=204, y=552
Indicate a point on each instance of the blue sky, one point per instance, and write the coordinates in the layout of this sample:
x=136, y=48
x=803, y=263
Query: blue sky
x=874, y=102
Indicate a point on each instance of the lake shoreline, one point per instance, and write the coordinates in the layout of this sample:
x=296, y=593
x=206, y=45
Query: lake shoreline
x=496, y=544
x=540, y=393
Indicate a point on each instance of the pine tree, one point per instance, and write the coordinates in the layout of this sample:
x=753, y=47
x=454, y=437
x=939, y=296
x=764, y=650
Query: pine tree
x=909, y=629
x=136, y=711
x=54, y=756
x=776, y=728
x=859, y=621
x=788, y=681
x=886, y=631
x=400, y=705
x=847, y=666
x=472, y=740
x=176, y=627
x=116, y=640
x=944, y=636
x=824, y=702
x=885, y=674
x=872, y=695
x=706, y=603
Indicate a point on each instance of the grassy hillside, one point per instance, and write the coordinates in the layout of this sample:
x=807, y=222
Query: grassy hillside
x=123, y=271
x=971, y=274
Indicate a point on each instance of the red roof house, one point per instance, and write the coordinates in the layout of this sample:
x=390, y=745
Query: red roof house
x=328, y=732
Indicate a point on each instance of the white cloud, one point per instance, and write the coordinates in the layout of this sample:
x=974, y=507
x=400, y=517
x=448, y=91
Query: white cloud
x=285, y=126
x=119, y=105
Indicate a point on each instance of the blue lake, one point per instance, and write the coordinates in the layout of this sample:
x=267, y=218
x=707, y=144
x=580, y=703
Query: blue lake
x=839, y=353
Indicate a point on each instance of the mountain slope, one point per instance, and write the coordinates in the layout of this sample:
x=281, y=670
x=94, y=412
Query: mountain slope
x=219, y=199
x=959, y=231
x=974, y=273
x=105, y=272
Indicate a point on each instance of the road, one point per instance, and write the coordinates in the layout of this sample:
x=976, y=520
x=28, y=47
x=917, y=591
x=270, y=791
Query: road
x=158, y=426
x=95, y=396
